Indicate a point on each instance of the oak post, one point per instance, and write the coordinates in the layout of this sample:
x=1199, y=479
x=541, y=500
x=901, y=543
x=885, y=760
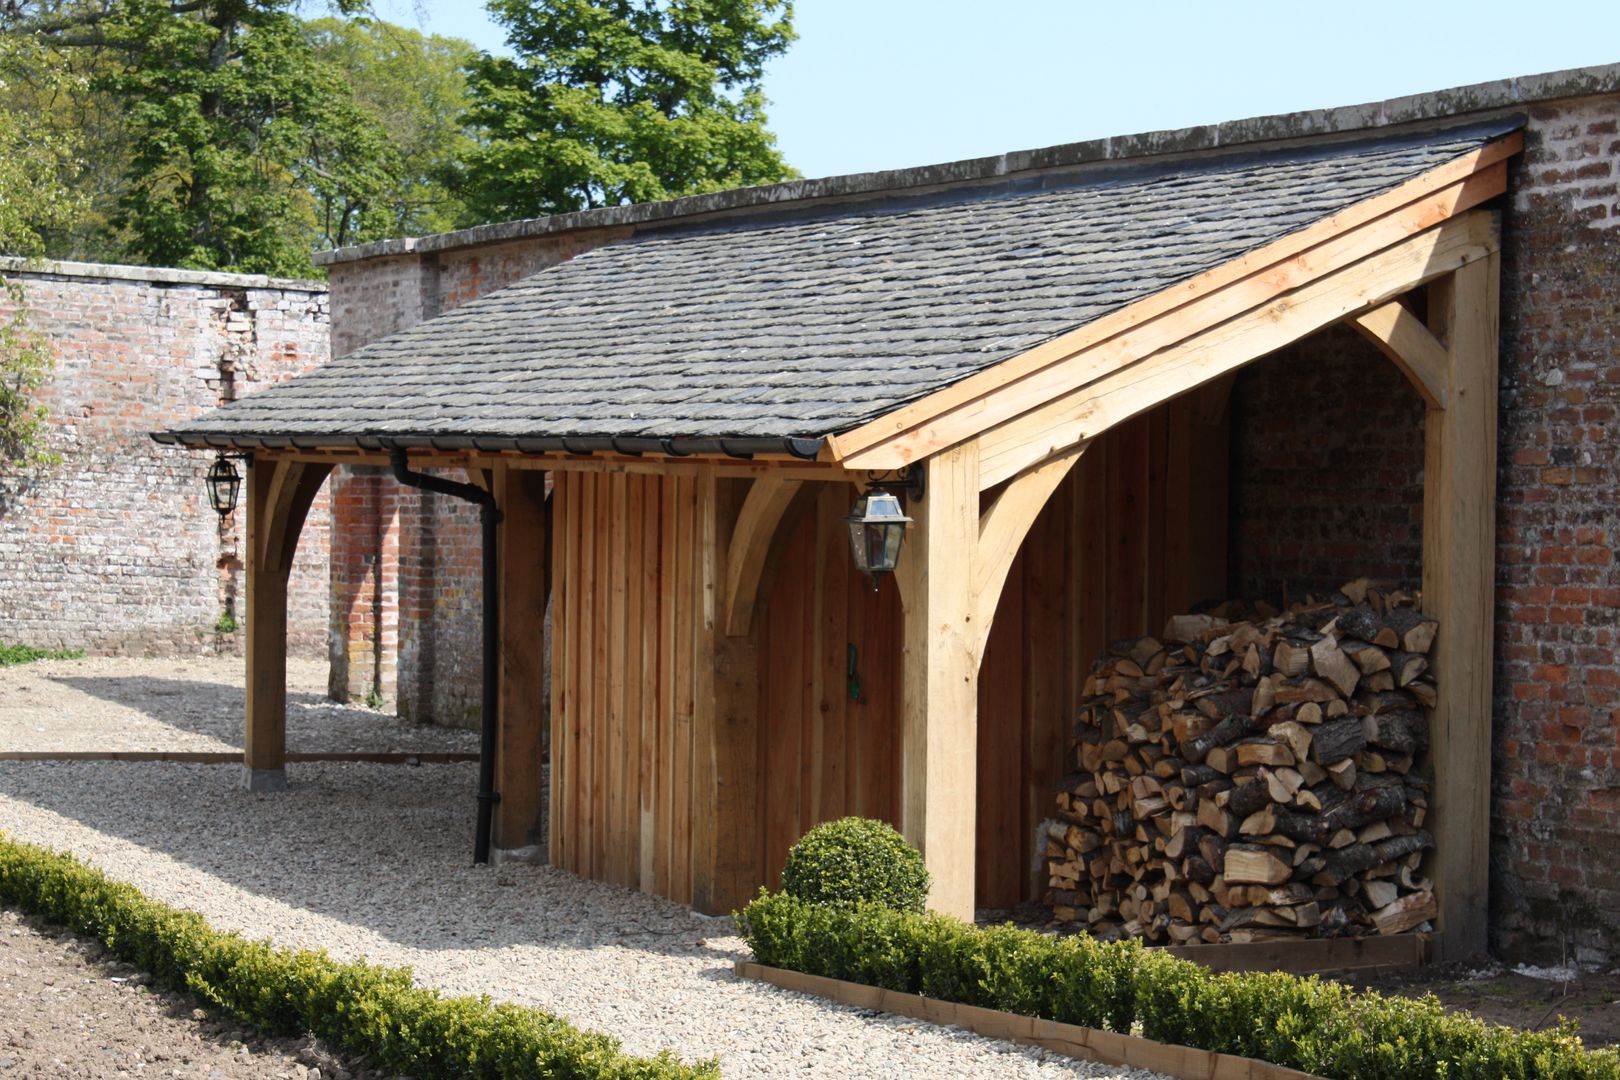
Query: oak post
x=939, y=740
x=523, y=580
x=1459, y=533
x=279, y=497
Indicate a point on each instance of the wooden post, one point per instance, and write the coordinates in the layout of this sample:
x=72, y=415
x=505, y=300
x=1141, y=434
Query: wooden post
x=725, y=779
x=1459, y=536
x=279, y=497
x=523, y=580
x=939, y=739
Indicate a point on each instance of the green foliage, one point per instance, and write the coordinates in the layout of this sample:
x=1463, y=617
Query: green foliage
x=12, y=655
x=376, y=1012
x=1310, y=1024
x=236, y=129
x=853, y=861
x=226, y=623
x=413, y=88
x=374, y=698
x=614, y=101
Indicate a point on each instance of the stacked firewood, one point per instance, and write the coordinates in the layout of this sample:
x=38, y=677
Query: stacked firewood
x=1250, y=774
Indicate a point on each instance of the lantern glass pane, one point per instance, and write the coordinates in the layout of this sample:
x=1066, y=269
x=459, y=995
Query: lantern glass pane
x=857, y=544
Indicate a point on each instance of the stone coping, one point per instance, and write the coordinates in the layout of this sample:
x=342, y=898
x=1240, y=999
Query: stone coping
x=161, y=275
x=1435, y=107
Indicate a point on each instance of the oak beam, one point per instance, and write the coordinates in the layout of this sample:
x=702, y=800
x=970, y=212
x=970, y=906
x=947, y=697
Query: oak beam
x=523, y=580
x=279, y=498
x=940, y=662
x=1459, y=560
x=1010, y=448
x=762, y=510
x=1003, y=391
x=1401, y=336
x=1002, y=530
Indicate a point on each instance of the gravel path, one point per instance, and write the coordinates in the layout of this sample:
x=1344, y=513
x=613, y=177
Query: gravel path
x=375, y=860
x=117, y=703
x=66, y=1011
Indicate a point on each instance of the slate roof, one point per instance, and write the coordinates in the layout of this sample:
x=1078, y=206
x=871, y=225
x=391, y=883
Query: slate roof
x=802, y=326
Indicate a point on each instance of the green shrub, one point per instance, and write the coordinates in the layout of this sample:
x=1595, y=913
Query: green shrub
x=1318, y=1026
x=371, y=1011
x=856, y=861
x=11, y=655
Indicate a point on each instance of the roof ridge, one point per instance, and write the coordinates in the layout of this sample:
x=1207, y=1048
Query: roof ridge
x=1415, y=110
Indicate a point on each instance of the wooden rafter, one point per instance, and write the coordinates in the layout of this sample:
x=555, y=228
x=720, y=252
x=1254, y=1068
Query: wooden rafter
x=768, y=498
x=1011, y=447
x=1124, y=337
x=1401, y=336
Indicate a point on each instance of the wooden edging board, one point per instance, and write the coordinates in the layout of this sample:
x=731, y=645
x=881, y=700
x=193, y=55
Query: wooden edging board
x=220, y=757
x=1313, y=955
x=1071, y=1040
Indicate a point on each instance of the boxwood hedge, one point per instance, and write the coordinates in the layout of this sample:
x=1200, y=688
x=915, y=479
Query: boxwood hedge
x=371, y=1011
x=1312, y=1024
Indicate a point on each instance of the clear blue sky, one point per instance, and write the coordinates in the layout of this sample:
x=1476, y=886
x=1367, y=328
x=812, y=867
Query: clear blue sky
x=875, y=84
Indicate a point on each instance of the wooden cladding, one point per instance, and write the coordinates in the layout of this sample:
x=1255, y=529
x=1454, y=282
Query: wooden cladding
x=685, y=762
x=627, y=642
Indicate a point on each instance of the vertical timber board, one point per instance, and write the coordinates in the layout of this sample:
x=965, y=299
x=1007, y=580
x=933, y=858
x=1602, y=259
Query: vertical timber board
x=1459, y=530
x=601, y=690
x=1047, y=707
x=832, y=640
x=265, y=739
x=939, y=745
x=1003, y=716
x=564, y=677
x=783, y=727
x=685, y=806
x=1158, y=445
x=522, y=583
x=631, y=674
x=650, y=763
x=1127, y=503
x=590, y=633
x=729, y=695
x=1091, y=563
x=615, y=865
x=664, y=801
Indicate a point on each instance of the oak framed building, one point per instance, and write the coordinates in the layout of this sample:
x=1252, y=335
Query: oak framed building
x=1050, y=338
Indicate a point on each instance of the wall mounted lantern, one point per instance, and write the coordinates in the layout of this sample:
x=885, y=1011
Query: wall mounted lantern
x=224, y=485
x=877, y=525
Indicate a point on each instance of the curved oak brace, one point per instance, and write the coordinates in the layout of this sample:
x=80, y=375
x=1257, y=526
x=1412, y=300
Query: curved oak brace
x=1401, y=336
x=1002, y=530
x=293, y=487
x=762, y=510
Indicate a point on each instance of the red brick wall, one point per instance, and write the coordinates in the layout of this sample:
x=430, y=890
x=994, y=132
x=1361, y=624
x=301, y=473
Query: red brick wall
x=1555, y=861
x=406, y=589
x=118, y=546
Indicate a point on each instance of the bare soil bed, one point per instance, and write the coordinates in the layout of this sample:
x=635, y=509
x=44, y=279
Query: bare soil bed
x=67, y=1010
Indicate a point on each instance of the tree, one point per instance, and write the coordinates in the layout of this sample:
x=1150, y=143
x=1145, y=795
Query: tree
x=236, y=131
x=32, y=202
x=614, y=101
x=412, y=86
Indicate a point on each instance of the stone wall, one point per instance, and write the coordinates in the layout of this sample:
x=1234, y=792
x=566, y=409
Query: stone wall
x=116, y=549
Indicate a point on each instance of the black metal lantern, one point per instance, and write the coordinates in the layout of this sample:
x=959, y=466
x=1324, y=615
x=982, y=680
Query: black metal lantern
x=877, y=526
x=224, y=484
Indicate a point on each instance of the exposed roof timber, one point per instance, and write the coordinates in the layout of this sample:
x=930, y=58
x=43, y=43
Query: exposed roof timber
x=1009, y=448
x=1000, y=393
x=807, y=449
x=1401, y=336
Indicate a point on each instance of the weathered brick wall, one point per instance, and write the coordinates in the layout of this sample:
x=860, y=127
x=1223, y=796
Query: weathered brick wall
x=1327, y=485
x=1327, y=470
x=116, y=549
x=1555, y=871
x=407, y=596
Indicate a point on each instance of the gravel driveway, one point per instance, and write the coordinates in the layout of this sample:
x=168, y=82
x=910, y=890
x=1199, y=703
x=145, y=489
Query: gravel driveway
x=374, y=861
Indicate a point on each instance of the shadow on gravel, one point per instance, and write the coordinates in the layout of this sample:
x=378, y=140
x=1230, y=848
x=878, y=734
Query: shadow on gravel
x=195, y=706
x=384, y=850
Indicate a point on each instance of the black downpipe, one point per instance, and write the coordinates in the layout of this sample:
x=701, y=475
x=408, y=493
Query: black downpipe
x=488, y=516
